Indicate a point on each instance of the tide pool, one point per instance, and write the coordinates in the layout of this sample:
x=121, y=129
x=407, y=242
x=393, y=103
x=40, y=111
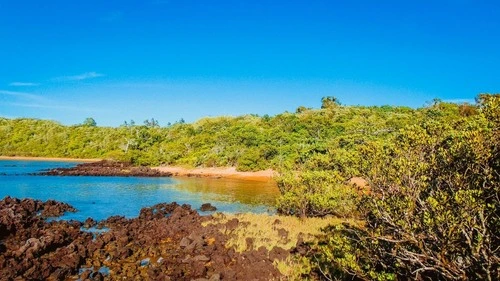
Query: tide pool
x=101, y=197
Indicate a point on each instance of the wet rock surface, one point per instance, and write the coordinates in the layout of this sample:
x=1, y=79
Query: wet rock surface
x=208, y=207
x=35, y=249
x=165, y=242
x=106, y=168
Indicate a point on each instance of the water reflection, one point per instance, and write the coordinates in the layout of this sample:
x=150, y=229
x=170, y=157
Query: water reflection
x=233, y=190
x=101, y=197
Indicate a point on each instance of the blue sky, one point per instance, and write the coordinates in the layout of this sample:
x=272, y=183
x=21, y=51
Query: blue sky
x=172, y=59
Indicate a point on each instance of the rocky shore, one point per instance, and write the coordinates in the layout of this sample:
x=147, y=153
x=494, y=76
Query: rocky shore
x=165, y=242
x=219, y=172
x=107, y=168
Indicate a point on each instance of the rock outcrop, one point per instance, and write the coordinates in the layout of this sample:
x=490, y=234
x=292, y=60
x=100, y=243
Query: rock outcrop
x=107, y=168
x=165, y=242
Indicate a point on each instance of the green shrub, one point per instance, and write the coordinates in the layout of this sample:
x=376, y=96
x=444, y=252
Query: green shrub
x=316, y=193
x=433, y=211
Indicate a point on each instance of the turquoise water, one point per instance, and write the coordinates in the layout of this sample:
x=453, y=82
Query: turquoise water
x=101, y=197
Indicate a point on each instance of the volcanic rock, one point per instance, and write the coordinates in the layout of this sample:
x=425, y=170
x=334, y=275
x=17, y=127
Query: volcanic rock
x=107, y=168
x=207, y=207
x=165, y=242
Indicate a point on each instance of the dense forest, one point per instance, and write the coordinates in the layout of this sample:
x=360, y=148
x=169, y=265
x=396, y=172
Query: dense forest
x=306, y=138
x=431, y=207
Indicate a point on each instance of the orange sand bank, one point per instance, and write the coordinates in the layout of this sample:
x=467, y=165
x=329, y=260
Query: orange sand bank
x=228, y=173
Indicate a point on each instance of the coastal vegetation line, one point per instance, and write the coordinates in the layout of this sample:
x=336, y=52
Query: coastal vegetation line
x=430, y=210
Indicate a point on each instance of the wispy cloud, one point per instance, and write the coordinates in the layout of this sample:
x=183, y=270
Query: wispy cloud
x=80, y=77
x=23, y=84
x=23, y=95
x=29, y=100
x=51, y=106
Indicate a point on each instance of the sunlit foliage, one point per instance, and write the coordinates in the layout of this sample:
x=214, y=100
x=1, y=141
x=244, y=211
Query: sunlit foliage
x=433, y=210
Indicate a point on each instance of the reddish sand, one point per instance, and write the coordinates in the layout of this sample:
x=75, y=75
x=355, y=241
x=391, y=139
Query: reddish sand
x=229, y=173
x=225, y=172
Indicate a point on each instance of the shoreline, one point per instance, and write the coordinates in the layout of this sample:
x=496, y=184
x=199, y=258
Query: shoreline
x=219, y=172
x=59, y=159
x=177, y=171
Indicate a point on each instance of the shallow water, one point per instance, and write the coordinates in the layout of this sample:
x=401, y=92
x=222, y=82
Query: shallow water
x=101, y=197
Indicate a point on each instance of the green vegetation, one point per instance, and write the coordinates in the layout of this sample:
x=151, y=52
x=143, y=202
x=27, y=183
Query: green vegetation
x=308, y=139
x=316, y=193
x=431, y=210
x=261, y=230
x=89, y=121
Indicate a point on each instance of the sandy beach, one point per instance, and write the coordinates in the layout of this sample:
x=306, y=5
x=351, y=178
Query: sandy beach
x=219, y=172
x=229, y=173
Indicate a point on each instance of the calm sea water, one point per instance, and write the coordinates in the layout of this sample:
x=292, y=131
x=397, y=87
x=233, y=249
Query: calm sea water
x=101, y=197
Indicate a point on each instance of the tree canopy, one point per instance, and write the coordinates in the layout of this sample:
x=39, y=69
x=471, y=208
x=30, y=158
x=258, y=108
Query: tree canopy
x=431, y=202
x=89, y=122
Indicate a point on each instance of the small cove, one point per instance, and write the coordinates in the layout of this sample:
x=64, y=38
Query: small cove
x=101, y=197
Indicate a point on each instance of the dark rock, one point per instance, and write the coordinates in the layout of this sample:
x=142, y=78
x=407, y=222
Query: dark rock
x=278, y=253
x=207, y=207
x=175, y=247
x=96, y=276
x=185, y=242
x=282, y=233
x=106, y=168
x=232, y=224
x=249, y=243
x=85, y=274
x=55, y=209
x=202, y=258
x=300, y=247
x=215, y=277
x=89, y=222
